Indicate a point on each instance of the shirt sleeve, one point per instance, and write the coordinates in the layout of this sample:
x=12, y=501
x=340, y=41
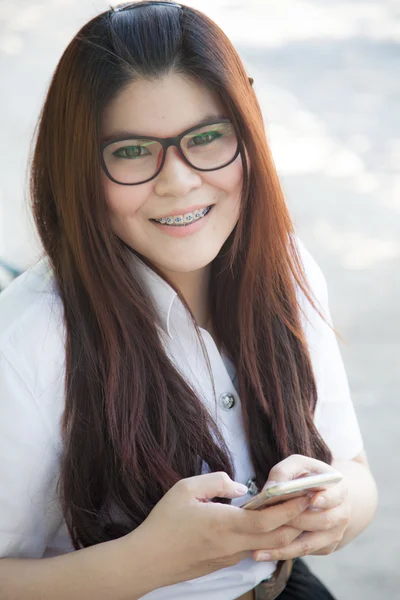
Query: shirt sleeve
x=28, y=470
x=335, y=416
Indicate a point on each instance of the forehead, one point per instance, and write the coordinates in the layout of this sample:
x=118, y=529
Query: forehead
x=162, y=108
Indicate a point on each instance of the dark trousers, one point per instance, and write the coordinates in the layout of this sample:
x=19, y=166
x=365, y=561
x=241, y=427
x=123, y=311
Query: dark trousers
x=303, y=585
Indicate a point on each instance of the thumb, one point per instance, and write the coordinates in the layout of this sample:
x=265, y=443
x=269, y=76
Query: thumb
x=295, y=466
x=211, y=485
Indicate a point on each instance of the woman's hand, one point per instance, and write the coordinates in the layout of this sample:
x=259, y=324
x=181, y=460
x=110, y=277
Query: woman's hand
x=323, y=524
x=188, y=536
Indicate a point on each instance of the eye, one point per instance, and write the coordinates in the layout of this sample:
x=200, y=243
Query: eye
x=202, y=139
x=131, y=152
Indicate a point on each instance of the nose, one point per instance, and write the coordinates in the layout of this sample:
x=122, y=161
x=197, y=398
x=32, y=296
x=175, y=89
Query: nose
x=176, y=178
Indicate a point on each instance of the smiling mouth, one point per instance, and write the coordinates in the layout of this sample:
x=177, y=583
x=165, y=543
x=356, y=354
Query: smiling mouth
x=184, y=220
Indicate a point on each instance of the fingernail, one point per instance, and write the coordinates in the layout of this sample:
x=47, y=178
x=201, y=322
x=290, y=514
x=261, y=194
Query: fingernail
x=241, y=489
x=320, y=502
x=263, y=556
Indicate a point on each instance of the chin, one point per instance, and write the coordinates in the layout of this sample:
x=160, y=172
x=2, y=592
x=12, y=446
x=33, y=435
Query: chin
x=186, y=266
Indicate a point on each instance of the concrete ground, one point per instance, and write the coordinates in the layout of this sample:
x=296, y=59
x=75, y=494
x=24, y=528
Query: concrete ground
x=327, y=76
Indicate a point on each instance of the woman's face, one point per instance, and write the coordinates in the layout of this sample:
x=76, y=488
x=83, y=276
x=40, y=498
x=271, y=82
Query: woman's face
x=166, y=108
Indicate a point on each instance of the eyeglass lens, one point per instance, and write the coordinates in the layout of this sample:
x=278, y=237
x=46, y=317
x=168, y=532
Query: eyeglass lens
x=137, y=160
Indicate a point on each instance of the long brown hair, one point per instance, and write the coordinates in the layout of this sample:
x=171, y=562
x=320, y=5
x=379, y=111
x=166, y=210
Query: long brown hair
x=132, y=425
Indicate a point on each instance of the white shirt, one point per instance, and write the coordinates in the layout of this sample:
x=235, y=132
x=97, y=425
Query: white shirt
x=32, y=403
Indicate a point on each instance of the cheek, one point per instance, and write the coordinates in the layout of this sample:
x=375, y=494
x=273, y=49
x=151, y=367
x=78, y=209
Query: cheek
x=124, y=200
x=228, y=179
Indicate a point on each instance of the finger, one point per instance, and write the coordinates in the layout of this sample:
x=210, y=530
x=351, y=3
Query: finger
x=326, y=550
x=281, y=537
x=321, y=520
x=331, y=497
x=307, y=543
x=252, y=522
x=295, y=466
x=210, y=485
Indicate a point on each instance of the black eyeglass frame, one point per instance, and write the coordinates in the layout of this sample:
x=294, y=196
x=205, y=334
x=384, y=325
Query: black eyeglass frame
x=166, y=143
x=145, y=3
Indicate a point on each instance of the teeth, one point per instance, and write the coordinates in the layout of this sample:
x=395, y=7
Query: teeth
x=186, y=219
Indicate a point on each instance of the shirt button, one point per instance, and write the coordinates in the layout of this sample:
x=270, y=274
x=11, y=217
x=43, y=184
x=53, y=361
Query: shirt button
x=227, y=401
x=253, y=489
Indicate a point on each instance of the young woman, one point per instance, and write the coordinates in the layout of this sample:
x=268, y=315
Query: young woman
x=173, y=343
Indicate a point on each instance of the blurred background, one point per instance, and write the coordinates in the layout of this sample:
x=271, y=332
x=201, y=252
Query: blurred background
x=327, y=75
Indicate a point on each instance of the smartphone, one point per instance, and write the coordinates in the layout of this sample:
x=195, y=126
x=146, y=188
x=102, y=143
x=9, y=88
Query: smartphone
x=286, y=490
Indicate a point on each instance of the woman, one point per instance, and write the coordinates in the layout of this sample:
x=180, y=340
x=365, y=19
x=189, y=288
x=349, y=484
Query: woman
x=173, y=343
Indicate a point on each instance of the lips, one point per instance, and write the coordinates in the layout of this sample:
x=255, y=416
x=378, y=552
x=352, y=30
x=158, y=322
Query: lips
x=182, y=212
x=180, y=229
x=185, y=219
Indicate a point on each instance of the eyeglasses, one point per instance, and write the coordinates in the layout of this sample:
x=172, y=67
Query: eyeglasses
x=131, y=5
x=139, y=159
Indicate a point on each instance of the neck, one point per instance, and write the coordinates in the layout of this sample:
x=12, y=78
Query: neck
x=194, y=286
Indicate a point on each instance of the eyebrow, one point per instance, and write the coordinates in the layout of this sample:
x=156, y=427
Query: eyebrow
x=122, y=134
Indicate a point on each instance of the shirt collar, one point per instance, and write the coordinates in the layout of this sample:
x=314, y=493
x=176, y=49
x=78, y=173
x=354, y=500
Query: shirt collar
x=162, y=294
